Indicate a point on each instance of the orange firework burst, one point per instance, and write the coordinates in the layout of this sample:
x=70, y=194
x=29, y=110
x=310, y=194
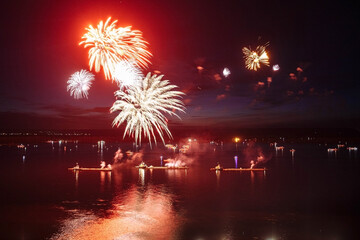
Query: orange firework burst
x=254, y=58
x=110, y=45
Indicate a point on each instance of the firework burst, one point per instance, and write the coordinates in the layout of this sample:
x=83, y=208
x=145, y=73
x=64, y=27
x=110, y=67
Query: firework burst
x=79, y=83
x=110, y=45
x=143, y=108
x=126, y=74
x=254, y=58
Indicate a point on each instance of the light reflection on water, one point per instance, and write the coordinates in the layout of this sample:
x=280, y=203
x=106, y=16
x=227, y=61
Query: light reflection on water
x=144, y=211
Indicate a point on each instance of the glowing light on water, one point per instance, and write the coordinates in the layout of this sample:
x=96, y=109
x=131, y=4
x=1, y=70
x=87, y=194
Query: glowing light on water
x=279, y=148
x=236, y=161
x=143, y=108
x=132, y=215
x=101, y=144
x=217, y=178
x=79, y=84
x=292, y=152
x=142, y=176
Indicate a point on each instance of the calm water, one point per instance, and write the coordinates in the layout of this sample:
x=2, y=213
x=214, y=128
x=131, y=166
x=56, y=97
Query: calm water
x=313, y=195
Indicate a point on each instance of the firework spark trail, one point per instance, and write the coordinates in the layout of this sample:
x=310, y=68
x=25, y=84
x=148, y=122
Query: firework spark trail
x=142, y=108
x=254, y=58
x=110, y=45
x=79, y=83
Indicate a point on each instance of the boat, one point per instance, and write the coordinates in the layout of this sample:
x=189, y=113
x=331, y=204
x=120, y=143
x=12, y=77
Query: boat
x=90, y=169
x=217, y=168
x=184, y=167
x=158, y=167
x=141, y=166
x=238, y=169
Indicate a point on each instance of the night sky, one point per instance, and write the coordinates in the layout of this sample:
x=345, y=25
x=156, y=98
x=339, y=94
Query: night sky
x=39, y=52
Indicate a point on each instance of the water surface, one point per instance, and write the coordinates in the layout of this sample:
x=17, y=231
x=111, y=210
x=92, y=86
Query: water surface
x=311, y=195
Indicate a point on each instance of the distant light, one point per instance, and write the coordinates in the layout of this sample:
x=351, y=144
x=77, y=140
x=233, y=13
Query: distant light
x=226, y=72
x=276, y=67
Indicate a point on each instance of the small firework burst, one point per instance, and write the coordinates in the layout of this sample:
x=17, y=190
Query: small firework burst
x=226, y=72
x=79, y=84
x=253, y=59
x=276, y=67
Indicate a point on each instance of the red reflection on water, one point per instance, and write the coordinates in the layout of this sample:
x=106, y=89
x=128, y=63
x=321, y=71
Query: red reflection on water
x=137, y=213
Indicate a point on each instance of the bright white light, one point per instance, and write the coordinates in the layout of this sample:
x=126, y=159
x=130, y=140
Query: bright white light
x=226, y=72
x=276, y=67
x=126, y=74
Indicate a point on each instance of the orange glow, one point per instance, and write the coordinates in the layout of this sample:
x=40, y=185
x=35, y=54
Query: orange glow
x=236, y=139
x=132, y=215
x=200, y=68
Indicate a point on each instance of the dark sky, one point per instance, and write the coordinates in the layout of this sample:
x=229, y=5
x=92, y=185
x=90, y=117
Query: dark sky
x=39, y=51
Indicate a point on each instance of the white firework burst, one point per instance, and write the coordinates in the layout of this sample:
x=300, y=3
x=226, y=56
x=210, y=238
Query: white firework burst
x=79, y=84
x=126, y=74
x=143, y=108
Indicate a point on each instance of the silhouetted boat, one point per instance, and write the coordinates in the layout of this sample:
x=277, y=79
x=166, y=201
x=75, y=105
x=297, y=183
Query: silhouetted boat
x=90, y=169
x=238, y=169
x=152, y=167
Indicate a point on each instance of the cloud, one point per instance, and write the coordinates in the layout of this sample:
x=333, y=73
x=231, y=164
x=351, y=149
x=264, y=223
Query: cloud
x=69, y=110
x=26, y=120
